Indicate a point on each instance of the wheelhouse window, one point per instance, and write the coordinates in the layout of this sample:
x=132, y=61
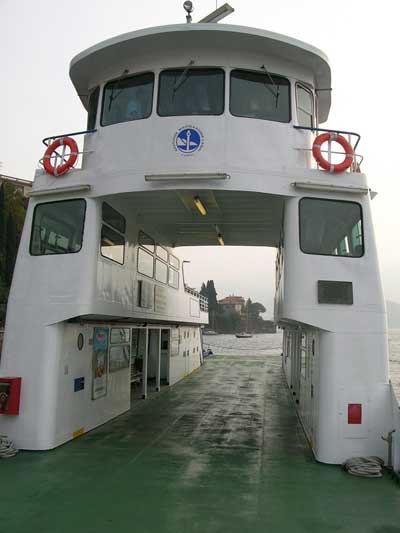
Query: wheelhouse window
x=127, y=98
x=260, y=95
x=331, y=227
x=92, y=108
x=58, y=227
x=195, y=91
x=305, y=106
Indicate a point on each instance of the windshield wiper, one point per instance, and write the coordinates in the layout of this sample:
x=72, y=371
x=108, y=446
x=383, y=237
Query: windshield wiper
x=275, y=93
x=182, y=78
x=114, y=96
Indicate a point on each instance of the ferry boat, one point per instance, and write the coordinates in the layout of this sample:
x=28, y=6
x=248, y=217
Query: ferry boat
x=197, y=134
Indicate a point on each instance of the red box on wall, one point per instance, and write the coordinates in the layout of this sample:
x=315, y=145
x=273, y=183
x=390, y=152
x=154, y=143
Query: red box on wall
x=10, y=393
x=354, y=413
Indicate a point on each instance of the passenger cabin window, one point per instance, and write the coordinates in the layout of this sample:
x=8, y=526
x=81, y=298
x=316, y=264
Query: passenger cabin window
x=260, y=95
x=127, y=98
x=146, y=242
x=112, y=234
x=92, y=108
x=161, y=271
x=174, y=261
x=154, y=261
x=58, y=227
x=145, y=263
x=113, y=218
x=196, y=91
x=305, y=106
x=173, y=278
x=162, y=253
x=331, y=227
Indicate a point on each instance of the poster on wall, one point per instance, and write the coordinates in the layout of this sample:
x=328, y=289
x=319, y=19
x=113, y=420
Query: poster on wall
x=100, y=362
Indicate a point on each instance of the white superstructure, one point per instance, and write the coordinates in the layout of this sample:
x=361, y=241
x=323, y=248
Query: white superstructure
x=224, y=115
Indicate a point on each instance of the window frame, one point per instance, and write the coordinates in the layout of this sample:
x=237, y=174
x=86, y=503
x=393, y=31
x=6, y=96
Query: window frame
x=141, y=232
x=159, y=256
x=261, y=72
x=308, y=89
x=118, y=233
x=58, y=202
x=172, y=269
x=178, y=268
x=140, y=249
x=337, y=201
x=156, y=258
x=95, y=115
x=109, y=206
x=103, y=95
x=197, y=67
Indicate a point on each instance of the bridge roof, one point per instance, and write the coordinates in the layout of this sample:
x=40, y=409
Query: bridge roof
x=91, y=64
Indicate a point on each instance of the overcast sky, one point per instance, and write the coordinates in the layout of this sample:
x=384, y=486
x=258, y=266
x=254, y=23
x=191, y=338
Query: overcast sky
x=37, y=99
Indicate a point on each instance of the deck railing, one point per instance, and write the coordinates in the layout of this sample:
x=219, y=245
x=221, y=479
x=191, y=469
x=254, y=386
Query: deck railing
x=352, y=137
x=203, y=301
x=60, y=158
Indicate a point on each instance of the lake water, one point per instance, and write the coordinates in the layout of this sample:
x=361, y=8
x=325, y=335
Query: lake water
x=264, y=344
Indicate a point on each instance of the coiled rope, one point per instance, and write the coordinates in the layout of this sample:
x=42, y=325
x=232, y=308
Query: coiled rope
x=7, y=448
x=364, y=466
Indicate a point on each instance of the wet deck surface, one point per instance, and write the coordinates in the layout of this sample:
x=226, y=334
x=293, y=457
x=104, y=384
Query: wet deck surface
x=222, y=451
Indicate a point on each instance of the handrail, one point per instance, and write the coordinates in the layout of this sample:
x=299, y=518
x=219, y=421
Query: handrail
x=307, y=128
x=203, y=300
x=54, y=137
x=357, y=158
x=48, y=140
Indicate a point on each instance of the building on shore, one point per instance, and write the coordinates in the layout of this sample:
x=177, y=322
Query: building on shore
x=24, y=185
x=233, y=303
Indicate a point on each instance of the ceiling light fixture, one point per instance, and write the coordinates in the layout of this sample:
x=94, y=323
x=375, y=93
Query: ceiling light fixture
x=200, y=206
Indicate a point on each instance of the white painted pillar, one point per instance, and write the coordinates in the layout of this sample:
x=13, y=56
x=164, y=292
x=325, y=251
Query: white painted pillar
x=158, y=367
x=145, y=364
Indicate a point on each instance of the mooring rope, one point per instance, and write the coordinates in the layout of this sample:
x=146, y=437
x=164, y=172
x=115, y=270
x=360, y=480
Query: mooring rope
x=364, y=466
x=7, y=448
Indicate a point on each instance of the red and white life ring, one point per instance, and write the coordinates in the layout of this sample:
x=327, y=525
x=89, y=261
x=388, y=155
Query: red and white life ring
x=68, y=163
x=326, y=165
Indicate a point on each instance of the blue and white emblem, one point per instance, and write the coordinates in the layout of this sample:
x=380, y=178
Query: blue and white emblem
x=188, y=140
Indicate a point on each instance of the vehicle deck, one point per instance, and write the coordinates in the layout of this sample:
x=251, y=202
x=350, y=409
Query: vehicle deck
x=223, y=450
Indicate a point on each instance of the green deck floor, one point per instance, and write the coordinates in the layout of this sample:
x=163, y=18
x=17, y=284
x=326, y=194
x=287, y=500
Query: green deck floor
x=222, y=451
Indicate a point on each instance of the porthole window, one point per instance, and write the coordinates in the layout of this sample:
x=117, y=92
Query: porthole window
x=80, y=341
